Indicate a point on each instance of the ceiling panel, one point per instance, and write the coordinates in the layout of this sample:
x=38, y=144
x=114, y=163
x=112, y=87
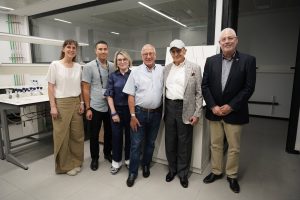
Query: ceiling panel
x=179, y=8
x=126, y=14
x=17, y=4
x=32, y=7
x=134, y=15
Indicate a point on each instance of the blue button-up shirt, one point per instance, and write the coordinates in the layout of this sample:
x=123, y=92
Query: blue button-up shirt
x=115, y=85
x=146, y=86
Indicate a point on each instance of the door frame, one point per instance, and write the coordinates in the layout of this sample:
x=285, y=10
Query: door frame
x=295, y=106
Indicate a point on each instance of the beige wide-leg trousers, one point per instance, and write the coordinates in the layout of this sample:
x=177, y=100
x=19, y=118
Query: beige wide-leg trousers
x=68, y=135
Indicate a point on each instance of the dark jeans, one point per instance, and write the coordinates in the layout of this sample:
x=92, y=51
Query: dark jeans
x=118, y=128
x=178, y=139
x=145, y=135
x=94, y=128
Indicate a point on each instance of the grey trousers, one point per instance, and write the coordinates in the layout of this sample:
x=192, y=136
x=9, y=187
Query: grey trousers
x=178, y=139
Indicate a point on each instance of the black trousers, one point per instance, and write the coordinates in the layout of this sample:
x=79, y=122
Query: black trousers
x=94, y=127
x=178, y=139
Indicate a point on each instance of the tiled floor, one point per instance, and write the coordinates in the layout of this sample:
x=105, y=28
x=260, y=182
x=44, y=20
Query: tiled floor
x=266, y=172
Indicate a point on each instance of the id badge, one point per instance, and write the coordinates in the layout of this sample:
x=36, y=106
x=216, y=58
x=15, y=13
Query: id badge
x=103, y=92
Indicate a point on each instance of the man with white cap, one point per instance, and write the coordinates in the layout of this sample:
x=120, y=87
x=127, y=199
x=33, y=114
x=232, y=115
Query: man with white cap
x=182, y=109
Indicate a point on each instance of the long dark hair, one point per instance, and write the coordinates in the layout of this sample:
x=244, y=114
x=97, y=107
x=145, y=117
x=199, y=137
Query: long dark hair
x=67, y=42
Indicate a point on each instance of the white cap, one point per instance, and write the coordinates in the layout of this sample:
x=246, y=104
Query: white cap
x=177, y=44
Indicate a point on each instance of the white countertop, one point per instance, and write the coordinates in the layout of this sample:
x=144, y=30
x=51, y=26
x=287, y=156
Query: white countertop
x=23, y=100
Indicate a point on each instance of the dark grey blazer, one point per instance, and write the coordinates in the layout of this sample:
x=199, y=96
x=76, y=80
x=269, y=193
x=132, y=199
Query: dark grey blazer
x=238, y=89
x=192, y=98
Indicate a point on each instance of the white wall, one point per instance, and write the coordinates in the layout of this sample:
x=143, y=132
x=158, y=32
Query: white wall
x=271, y=86
x=196, y=37
x=272, y=39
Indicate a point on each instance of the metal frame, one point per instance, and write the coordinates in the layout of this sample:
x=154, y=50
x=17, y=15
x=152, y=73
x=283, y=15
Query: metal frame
x=2, y=157
x=295, y=107
x=6, y=148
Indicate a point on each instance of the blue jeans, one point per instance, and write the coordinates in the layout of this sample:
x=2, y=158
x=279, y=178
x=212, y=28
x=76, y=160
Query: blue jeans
x=145, y=135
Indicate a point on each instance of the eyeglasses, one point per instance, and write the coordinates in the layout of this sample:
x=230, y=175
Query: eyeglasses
x=173, y=51
x=122, y=60
x=229, y=39
x=151, y=54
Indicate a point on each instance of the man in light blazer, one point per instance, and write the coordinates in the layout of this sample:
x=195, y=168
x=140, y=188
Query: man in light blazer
x=182, y=109
x=228, y=82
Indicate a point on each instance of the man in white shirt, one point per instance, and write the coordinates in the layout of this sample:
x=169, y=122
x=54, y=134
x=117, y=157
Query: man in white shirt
x=183, y=105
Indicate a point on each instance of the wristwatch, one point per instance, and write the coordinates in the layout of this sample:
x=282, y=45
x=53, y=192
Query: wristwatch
x=132, y=114
x=114, y=114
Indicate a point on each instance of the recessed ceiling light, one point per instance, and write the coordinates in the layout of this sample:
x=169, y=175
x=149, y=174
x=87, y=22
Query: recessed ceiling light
x=6, y=8
x=61, y=20
x=162, y=14
x=115, y=33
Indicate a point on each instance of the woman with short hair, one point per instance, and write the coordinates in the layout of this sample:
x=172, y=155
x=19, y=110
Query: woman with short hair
x=119, y=110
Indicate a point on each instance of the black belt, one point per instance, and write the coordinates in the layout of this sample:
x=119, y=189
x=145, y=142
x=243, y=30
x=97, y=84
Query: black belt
x=175, y=100
x=159, y=109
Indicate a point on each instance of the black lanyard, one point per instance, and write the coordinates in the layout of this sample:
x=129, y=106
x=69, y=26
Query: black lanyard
x=100, y=72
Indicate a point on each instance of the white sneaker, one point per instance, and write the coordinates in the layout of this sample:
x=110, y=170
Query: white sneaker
x=77, y=169
x=72, y=172
x=127, y=163
x=114, y=170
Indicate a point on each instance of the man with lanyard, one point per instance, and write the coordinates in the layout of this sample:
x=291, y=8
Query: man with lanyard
x=94, y=80
x=144, y=89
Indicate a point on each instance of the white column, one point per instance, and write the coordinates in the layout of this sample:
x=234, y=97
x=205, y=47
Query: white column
x=218, y=22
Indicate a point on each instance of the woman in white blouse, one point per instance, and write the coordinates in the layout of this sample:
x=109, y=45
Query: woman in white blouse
x=64, y=90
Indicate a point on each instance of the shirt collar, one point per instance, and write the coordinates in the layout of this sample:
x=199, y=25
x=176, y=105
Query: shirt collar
x=118, y=71
x=229, y=59
x=149, y=70
x=181, y=64
x=100, y=64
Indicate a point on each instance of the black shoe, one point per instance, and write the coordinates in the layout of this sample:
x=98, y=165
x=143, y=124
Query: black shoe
x=170, y=176
x=130, y=180
x=212, y=177
x=184, y=182
x=108, y=157
x=94, y=165
x=233, y=184
x=146, y=171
